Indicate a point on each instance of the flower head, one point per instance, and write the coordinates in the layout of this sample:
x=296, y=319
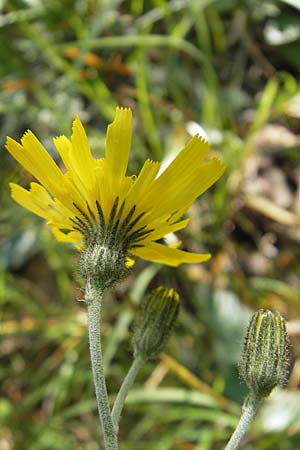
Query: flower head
x=93, y=201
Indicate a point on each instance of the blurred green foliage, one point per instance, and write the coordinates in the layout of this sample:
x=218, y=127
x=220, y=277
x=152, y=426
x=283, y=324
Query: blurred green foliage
x=229, y=66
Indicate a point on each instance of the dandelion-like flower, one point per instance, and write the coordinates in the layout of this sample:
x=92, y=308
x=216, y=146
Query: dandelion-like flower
x=112, y=216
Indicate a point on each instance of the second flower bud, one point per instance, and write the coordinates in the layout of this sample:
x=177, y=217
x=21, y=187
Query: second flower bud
x=155, y=321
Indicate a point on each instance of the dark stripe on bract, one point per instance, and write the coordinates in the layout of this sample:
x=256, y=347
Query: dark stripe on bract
x=117, y=232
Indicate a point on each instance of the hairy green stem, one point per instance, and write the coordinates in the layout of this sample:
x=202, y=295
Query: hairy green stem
x=94, y=296
x=250, y=407
x=126, y=385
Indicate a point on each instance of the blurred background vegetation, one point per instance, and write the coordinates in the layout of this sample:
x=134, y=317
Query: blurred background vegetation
x=227, y=68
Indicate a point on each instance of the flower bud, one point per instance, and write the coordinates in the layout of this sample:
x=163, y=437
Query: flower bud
x=156, y=318
x=265, y=359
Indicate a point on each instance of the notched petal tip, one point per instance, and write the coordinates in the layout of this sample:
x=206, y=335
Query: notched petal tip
x=118, y=142
x=27, y=136
x=9, y=140
x=123, y=108
x=78, y=133
x=77, y=124
x=201, y=139
x=62, y=145
x=220, y=164
x=12, y=146
x=215, y=165
x=123, y=114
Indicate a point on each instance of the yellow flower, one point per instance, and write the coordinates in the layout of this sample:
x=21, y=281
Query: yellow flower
x=94, y=201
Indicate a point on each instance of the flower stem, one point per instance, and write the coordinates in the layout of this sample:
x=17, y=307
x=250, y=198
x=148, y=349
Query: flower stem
x=126, y=385
x=250, y=407
x=94, y=296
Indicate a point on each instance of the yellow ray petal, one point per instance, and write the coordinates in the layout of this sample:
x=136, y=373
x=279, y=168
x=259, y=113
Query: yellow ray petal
x=81, y=154
x=76, y=172
x=34, y=158
x=141, y=184
x=192, y=155
x=179, y=172
x=171, y=197
x=170, y=256
x=64, y=148
x=118, y=141
x=83, y=163
x=37, y=200
x=145, y=177
x=207, y=175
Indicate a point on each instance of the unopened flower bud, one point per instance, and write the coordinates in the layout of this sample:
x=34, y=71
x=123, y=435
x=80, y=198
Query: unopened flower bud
x=155, y=321
x=265, y=359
